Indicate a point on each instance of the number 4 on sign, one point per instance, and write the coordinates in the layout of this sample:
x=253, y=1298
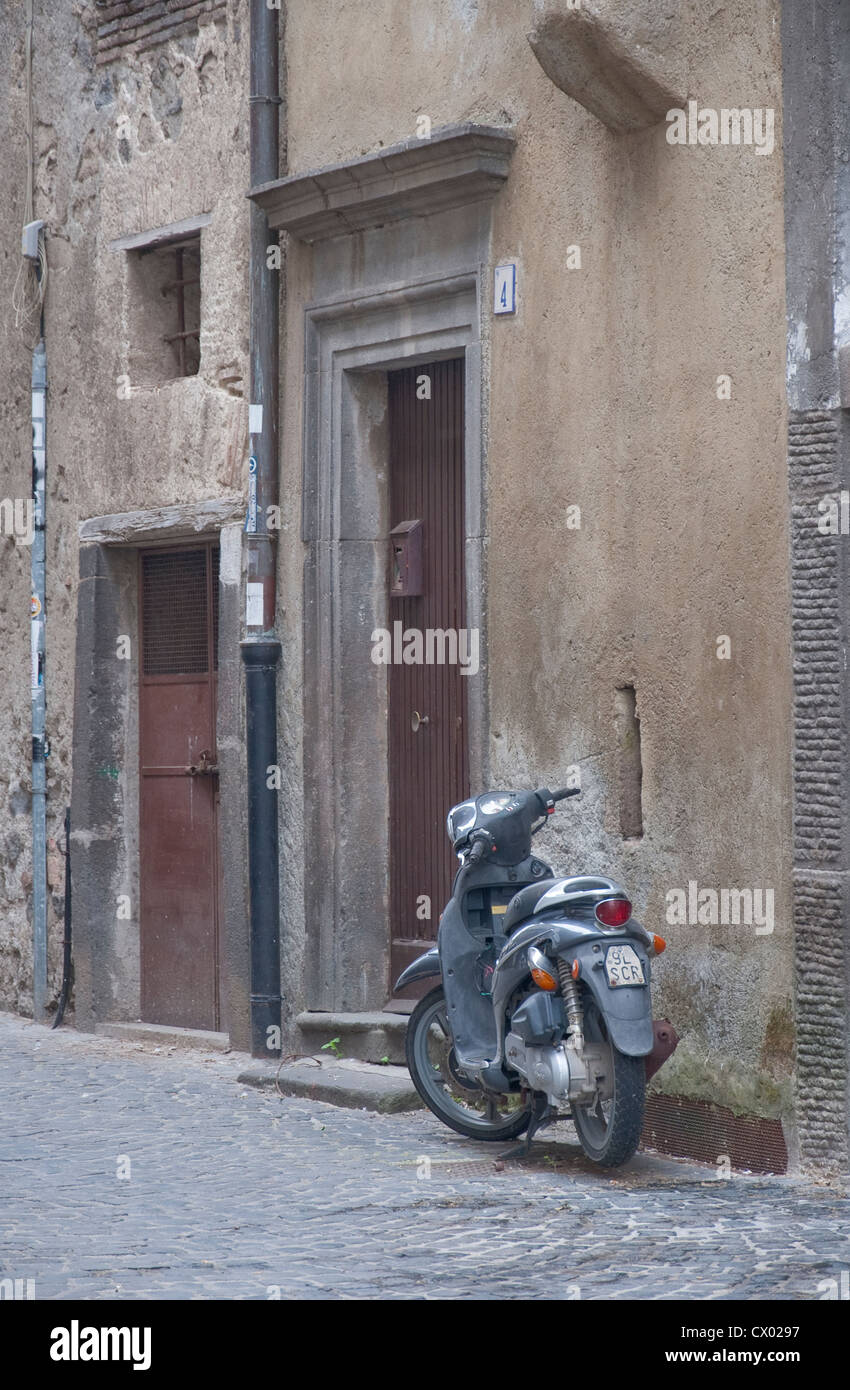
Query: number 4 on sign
x=504, y=292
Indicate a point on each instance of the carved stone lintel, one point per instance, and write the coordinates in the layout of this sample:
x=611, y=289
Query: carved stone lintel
x=624, y=82
x=455, y=165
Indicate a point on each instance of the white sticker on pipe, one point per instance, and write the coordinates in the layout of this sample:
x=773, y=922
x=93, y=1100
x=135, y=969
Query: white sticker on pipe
x=35, y=642
x=253, y=605
x=255, y=419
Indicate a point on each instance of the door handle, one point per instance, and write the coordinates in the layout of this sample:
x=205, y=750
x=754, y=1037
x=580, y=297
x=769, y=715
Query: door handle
x=203, y=767
x=417, y=720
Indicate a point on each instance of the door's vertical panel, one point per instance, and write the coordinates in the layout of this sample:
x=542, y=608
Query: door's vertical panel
x=177, y=813
x=428, y=769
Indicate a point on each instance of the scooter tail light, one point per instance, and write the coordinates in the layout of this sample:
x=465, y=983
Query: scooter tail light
x=613, y=912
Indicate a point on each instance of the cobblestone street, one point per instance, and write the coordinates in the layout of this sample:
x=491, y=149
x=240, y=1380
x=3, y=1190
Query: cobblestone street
x=134, y=1173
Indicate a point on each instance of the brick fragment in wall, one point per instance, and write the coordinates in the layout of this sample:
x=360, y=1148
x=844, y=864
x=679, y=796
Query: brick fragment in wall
x=819, y=738
x=168, y=26
x=821, y=1017
x=141, y=26
x=145, y=20
x=55, y=869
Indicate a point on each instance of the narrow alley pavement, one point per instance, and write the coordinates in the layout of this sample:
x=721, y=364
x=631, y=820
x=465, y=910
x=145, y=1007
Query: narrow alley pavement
x=132, y=1173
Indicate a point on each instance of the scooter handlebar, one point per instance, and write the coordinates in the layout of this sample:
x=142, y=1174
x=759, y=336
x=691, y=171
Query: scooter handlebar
x=564, y=792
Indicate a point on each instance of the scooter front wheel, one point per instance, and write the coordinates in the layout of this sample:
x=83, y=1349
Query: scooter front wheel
x=459, y=1102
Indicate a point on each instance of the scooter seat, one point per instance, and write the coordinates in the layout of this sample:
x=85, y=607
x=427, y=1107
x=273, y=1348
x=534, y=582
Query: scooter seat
x=523, y=903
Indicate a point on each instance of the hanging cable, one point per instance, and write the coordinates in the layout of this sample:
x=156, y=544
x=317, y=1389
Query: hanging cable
x=31, y=281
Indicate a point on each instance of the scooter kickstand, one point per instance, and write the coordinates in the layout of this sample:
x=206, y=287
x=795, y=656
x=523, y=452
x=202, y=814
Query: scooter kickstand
x=541, y=1115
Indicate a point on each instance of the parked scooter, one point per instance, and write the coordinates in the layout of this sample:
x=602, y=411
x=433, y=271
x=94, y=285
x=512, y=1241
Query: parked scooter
x=543, y=1007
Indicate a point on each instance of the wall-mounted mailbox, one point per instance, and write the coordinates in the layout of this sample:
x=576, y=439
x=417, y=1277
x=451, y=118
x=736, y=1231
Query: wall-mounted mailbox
x=406, y=559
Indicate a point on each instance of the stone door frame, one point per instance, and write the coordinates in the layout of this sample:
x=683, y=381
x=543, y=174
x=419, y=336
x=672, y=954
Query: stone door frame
x=105, y=781
x=350, y=346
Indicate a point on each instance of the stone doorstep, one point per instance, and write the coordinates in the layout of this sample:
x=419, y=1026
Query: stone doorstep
x=342, y=1081
x=164, y=1036
x=367, y=1037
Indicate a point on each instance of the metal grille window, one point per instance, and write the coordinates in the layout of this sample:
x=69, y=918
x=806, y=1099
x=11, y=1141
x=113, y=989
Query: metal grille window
x=179, y=588
x=183, y=292
x=215, y=554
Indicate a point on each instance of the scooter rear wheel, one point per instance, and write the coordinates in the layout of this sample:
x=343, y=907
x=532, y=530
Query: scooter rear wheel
x=610, y=1131
x=460, y=1103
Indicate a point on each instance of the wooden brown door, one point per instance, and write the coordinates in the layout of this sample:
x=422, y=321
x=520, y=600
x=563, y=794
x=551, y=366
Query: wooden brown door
x=178, y=838
x=429, y=765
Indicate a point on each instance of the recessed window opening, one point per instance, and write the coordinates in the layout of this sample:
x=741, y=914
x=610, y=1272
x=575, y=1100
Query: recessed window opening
x=629, y=762
x=183, y=292
x=165, y=297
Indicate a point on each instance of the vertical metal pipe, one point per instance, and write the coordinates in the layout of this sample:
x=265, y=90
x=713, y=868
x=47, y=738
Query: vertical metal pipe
x=261, y=648
x=261, y=659
x=181, y=311
x=66, y=944
x=37, y=623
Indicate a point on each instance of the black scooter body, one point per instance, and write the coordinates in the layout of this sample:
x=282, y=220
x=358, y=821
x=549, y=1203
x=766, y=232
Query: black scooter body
x=472, y=951
x=545, y=990
x=465, y=945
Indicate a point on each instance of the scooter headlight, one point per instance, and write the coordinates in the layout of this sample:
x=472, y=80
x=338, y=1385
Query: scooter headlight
x=460, y=821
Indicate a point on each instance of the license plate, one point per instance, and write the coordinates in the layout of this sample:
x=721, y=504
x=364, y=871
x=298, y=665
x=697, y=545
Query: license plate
x=623, y=966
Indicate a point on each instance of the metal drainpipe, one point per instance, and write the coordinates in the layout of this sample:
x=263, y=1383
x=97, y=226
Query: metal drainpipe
x=39, y=741
x=260, y=647
x=66, y=943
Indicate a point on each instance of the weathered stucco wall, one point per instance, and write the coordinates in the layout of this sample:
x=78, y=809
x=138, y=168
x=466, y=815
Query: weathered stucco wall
x=601, y=393
x=123, y=147
x=604, y=394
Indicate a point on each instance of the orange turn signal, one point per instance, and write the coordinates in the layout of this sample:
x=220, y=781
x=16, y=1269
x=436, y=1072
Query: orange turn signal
x=543, y=979
x=576, y=970
x=659, y=943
